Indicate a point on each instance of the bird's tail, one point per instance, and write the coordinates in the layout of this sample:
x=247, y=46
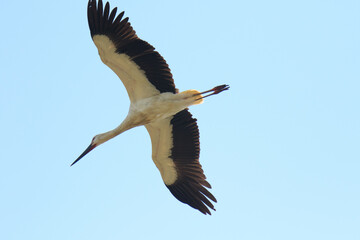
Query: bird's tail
x=194, y=95
x=198, y=97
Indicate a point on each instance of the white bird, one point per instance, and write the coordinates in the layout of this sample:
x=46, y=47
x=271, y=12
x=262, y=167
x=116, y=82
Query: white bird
x=155, y=103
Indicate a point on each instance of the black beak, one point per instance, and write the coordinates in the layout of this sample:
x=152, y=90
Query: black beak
x=89, y=148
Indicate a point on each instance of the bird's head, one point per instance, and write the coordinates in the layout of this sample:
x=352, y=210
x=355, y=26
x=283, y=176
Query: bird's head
x=96, y=141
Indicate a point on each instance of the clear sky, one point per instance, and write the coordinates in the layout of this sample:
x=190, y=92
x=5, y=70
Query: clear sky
x=281, y=148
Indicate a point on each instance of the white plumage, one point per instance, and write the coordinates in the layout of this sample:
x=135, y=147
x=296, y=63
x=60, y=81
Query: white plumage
x=155, y=103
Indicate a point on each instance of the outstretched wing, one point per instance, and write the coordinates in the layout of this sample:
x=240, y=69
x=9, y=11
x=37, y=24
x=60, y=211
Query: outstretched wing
x=143, y=71
x=175, y=152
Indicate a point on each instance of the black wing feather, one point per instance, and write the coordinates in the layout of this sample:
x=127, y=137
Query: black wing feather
x=190, y=186
x=121, y=33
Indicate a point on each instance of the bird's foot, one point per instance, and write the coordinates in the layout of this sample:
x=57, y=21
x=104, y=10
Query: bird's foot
x=215, y=90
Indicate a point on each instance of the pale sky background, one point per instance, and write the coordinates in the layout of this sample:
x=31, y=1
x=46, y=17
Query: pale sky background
x=281, y=148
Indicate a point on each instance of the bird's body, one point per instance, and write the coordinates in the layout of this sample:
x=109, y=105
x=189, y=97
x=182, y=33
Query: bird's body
x=155, y=103
x=150, y=110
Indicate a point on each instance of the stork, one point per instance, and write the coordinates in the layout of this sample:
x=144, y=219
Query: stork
x=155, y=103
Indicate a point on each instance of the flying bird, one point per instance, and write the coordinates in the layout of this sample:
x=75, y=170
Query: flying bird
x=155, y=103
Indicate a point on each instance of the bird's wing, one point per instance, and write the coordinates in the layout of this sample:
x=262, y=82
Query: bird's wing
x=143, y=71
x=175, y=151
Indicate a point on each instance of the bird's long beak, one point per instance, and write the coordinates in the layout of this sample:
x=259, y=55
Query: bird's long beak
x=87, y=150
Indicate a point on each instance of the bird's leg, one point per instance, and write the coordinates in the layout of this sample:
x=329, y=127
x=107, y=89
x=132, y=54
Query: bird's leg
x=215, y=90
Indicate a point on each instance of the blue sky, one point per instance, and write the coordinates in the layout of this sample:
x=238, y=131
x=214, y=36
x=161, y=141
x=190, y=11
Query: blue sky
x=281, y=148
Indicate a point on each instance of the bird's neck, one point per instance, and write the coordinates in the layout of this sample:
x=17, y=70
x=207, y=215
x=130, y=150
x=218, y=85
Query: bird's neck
x=124, y=126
